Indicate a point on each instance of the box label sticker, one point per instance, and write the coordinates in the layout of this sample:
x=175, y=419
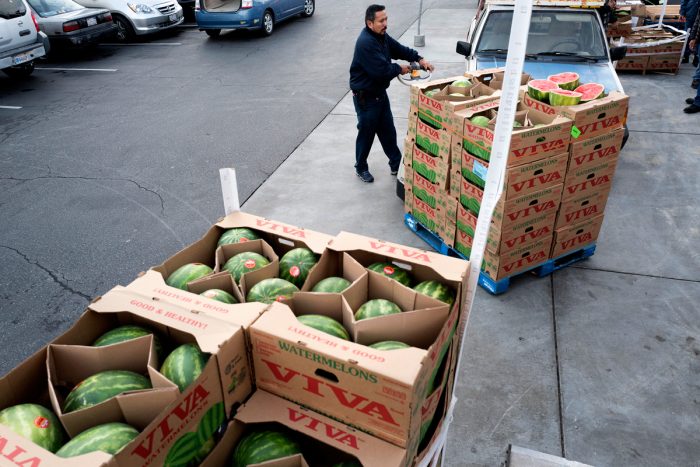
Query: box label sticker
x=575, y=132
x=480, y=170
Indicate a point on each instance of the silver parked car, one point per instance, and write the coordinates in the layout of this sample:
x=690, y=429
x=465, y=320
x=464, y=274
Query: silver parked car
x=21, y=42
x=68, y=23
x=138, y=17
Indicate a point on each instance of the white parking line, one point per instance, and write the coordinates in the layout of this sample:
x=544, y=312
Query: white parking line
x=114, y=44
x=10, y=107
x=75, y=69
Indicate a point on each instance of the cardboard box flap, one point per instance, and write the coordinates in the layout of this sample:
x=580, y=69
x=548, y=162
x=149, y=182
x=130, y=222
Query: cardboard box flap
x=316, y=241
x=208, y=332
x=333, y=264
x=264, y=407
x=452, y=269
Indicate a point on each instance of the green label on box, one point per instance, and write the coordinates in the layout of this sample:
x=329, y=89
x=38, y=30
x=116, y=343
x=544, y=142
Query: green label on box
x=575, y=132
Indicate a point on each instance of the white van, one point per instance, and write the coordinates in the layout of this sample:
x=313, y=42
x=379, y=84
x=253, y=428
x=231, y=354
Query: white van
x=21, y=42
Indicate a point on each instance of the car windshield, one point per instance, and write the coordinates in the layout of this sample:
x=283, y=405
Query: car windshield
x=552, y=33
x=47, y=8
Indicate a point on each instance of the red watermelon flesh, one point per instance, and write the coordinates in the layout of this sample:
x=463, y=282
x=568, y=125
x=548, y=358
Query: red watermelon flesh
x=590, y=91
x=563, y=97
x=567, y=80
x=539, y=89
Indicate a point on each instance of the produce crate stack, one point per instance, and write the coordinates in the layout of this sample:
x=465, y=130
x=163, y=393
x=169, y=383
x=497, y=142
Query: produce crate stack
x=655, y=49
x=260, y=341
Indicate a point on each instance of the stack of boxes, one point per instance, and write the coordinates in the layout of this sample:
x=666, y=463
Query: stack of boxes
x=561, y=162
x=652, y=50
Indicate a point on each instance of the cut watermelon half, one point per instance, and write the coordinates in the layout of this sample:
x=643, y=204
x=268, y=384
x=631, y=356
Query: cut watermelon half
x=539, y=89
x=567, y=80
x=563, y=97
x=590, y=91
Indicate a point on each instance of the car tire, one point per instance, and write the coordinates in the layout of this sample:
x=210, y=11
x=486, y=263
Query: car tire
x=268, y=23
x=213, y=33
x=20, y=71
x=309, y=8
x=125, y=32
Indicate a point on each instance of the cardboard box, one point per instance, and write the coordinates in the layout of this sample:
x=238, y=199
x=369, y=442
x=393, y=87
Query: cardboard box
x=436, y=110
x=591, y=152
x=518, y=260
x=653, y=12
x=591, y=118
x=575, y=237
x=418, y=90
x=434, y=170
x=589, y=179
x=670, y=62
x=249, y=279
x=521, y=179
x=493, y=77
x=633, y=63
x=621, y=28
x=581, y=207
x=463, y=242
x=332, y=438
x=433, y=141
x=528, y=143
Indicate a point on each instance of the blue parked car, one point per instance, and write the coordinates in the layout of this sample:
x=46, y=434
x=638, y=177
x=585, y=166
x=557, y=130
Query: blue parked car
x=214, y=15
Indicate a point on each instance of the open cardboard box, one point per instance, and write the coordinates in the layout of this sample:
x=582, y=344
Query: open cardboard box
x=515, y=261
x=592, y=118
x=281, y=237
x=575, y=237
x=581, y=207
x=493, y=77
x=69, y=365
x=249, y=279
x=333, y=264
x=323, y=440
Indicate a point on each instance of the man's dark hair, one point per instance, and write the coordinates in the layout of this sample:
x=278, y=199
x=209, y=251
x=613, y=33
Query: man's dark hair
x=372, y=10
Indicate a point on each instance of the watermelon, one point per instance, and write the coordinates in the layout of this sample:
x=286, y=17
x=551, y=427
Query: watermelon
x=376, y=307
x=462, y=83
x=242, y=263
x=325, y=324
x=393, y=272
x=102, y=386
x=567, y=80
x=352, y=463
x=431, y=92
x=187, y=273
x=210, y=423
x=331, y=285
x=270, y=290
x=480, y=120
x=590, y=91
x=237, y=235
x=184, y=451
x=457, y=94
x=109, y=438
x=128, y=332
x=563, y=97
x=296, y=264
x=436, y=290
x=264, y=445
x=539, y=89
x=184, y=365
x=36, y=423
x=220, y=296
x=389, y=345
x=517, y=124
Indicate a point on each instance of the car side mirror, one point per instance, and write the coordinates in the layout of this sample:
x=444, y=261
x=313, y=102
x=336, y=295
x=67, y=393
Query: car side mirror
x=617, y=53
x=464, y=48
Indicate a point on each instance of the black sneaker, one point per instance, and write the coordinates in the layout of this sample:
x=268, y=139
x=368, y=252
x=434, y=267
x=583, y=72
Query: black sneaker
x=689, y=100
x=394, y=171
x=365, y=176
x=694, y=84
x=691, y=109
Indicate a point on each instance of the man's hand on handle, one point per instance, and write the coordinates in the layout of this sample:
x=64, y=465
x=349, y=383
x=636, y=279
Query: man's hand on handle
x=426, y=65
x=405, y=69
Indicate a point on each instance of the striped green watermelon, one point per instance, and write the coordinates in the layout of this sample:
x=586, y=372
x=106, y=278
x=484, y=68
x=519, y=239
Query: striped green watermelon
x=331, y=285
x=248, y=261
x=187, y=273
x=436, y=290
x=128, y=332
x=375, y=308
x=539, y=89
x=264, y=445
x=563, y=97
x=296, y=264
x=210, y=423
x=237, y=235
x=352, y=463
x=567, y=80
x=184, y=451
x=102, y=386
x=325, y=324
x=220, y=296
x=36, y=423
x=392, y=271
x=389, y=345
x=270, y=290
x=109, y=438
x=184, y=365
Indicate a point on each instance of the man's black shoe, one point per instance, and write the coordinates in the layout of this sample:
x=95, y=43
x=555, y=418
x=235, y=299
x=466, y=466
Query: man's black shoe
x=694, y=84
x=691, y=109
x=394, y=171
x=689, y=100
x=365, y=176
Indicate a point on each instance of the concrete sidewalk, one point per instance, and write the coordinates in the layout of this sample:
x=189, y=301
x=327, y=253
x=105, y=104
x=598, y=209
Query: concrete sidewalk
x=599, y=363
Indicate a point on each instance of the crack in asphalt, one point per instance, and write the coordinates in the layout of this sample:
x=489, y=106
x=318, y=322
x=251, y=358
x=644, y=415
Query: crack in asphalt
x=49, y=272
x=23, y=180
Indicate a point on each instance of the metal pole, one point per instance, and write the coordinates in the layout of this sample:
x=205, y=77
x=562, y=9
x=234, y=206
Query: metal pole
x=419, y=39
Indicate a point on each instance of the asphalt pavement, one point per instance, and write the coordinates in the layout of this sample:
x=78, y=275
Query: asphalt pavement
x=105, y=173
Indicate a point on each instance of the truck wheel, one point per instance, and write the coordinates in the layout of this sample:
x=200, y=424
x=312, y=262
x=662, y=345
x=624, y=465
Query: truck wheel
x=213, y=32
x=20, y=71
x=125, y=32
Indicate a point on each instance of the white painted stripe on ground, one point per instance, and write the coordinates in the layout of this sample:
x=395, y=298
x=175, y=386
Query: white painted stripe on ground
x=10, y=107
x=74, y=69
x=115, y=44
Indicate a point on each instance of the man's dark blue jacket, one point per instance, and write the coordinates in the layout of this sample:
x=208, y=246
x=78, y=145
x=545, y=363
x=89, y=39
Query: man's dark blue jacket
x=371, y=69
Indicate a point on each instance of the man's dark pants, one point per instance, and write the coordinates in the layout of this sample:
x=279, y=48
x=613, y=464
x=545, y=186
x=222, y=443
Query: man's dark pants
x=374, y=118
